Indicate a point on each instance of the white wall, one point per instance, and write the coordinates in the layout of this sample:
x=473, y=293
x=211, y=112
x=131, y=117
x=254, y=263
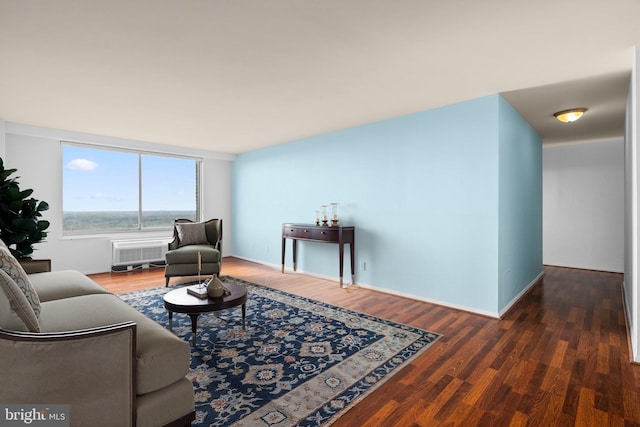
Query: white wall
x=632, y=213
x=583, y=205
x=635, y=137
x=2, y=138
x=36, y=154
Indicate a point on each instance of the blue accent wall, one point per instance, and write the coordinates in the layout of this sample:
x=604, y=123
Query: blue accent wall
x=520, y=215
x=422, y=190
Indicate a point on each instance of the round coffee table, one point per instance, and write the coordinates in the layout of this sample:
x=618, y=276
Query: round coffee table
x=179, y=301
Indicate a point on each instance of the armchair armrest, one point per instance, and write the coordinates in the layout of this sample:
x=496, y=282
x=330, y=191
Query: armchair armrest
x=174, y=243
x=215, y=229
x=92, y=370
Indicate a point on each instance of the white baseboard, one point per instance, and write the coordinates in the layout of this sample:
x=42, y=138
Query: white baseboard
x=520, y=295
x=633, y=352
x=256, y=261
x=585, y=267
x=290, y=269
x=496, y=315
x=430, y=300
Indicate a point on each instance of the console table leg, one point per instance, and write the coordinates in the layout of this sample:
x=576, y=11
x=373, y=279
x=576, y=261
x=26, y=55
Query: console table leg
x=353, y=263
x=294, y=246
x=341, y=255
x=284, y=245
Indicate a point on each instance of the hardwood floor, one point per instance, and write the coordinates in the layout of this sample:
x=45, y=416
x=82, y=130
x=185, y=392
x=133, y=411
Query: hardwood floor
x=560, y=357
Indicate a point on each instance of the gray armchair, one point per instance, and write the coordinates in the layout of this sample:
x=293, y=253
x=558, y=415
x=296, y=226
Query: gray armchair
x=189, y=239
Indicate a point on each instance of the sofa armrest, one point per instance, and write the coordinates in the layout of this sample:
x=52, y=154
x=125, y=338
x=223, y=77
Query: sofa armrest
x=92, y=370
x=32, y=266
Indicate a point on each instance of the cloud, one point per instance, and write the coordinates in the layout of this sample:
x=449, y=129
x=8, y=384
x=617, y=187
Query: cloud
x=82, y=165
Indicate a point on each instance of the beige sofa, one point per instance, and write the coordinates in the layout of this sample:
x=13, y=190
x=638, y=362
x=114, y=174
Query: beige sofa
x=110, y=363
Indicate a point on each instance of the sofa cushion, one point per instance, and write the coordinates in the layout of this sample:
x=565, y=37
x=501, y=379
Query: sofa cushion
x=12, y=267
x=16, y=313
x=162, y=358
x=54, y=285
x=191, y=233
x=163, y=406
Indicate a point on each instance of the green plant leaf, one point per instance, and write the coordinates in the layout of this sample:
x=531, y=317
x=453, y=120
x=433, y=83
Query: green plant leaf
x=13, y=193
x=6, y=173
x=19, y=213
x=19, y=237
x=26, y=193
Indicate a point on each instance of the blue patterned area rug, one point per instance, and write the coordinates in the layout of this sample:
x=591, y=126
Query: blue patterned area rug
x=300, y=362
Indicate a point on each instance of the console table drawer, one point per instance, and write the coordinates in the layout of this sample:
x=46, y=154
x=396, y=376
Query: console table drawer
x=327, y=235
x=299, y=232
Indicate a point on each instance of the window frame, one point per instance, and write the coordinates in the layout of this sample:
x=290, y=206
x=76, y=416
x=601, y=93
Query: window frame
x=139, y=153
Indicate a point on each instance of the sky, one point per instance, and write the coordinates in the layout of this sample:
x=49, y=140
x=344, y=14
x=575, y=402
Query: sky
x=107, y=180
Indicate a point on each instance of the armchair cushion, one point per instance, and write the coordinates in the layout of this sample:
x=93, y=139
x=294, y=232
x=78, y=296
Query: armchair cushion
x=189, y=255
x=12, y=267
x=191, y=234
x=15, y=311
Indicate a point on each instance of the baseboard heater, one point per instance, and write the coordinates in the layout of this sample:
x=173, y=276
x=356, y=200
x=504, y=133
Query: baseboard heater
x=127, y=253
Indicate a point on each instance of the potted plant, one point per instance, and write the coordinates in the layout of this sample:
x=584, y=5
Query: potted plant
x=20, y=223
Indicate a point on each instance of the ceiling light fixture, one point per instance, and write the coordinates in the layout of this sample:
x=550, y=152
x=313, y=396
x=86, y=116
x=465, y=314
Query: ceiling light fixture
x=569, y=116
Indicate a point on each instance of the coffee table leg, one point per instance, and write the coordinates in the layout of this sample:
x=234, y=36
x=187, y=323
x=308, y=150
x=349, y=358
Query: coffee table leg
x=171, y=320
x=194, y=327
x=244, y=316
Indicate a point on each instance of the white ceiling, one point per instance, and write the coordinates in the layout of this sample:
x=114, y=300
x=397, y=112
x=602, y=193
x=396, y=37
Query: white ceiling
x=233, y=76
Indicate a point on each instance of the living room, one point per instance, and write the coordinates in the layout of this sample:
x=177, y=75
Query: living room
x=447, y=210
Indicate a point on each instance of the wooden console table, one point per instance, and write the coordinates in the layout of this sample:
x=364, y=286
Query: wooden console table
x=319, y=233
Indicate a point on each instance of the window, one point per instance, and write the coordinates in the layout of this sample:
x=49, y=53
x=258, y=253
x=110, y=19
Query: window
x=116, y=191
